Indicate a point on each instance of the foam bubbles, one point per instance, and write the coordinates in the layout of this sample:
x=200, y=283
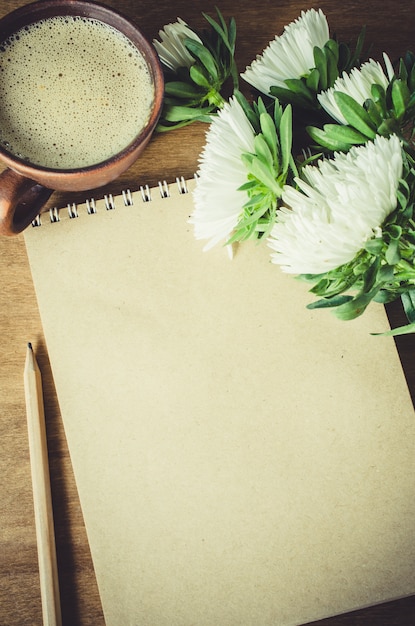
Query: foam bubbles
x=73, y=92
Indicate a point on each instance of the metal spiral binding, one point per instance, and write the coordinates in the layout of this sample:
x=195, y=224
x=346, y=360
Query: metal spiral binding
x=109, y=201
x=36, y=222
x=164, y=189
x=72, y=211
x=128, y=199
x=91, y=208
x=181, y=184
x=145, y=193
x=54, y=215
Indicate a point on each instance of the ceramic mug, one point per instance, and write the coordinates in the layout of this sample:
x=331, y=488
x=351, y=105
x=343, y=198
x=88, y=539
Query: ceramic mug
x=113, y=117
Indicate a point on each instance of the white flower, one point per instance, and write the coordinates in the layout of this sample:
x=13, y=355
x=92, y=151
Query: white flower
x=291, y=54
x=357, y=84
x=218, y=203
x=171, y=49
x=341, y=204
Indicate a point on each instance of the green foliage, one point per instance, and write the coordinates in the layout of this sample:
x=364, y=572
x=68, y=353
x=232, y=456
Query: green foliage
x=195, y=93
x=382, y=272
x=384, y=269
x=352, y=56
x=329, y=62
x=388, y=111
x=408, y=302
x=268, y=168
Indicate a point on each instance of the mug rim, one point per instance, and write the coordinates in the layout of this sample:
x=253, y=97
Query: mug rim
x=42, y=9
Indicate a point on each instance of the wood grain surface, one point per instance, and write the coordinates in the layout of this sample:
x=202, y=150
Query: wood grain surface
x=390, y=27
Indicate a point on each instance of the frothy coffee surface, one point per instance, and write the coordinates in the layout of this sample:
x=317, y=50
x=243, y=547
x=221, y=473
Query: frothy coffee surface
x=73, y=92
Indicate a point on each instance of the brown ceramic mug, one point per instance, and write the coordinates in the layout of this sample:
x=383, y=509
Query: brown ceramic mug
x=29, y=179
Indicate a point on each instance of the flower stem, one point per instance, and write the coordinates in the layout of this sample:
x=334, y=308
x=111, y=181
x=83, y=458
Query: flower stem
x=215, y=98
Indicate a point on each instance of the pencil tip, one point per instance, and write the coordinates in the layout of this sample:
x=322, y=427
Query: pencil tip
x=29, y=345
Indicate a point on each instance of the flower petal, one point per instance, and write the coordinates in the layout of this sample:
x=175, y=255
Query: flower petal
x=357, y=85
x=218, y=202
x=339, y=205
x=291, y=54
x=171, y=50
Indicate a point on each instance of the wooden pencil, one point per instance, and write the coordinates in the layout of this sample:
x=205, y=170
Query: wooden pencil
x=45, y=534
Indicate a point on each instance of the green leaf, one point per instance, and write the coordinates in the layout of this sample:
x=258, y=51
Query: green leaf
x=332, y=283
x=374, y=246
x=403, y=195
x=408, y=302
x=298, y=86
x=355, y=114
x=321, y=65
x=227, y=35
x=326, y=303
x=220, y=29
x=333, y=47
x=386, y=273
x=400, y=97
x=320, y=137
x=384, y=296
x=260, y=210
x=261, y=172
x=345, y=62
x=287, y=96
x=394, y=231
x=199, y=51
x=370, y=277
x=248, y=186
x=388, y=127
x=180, y=113
x=379, y=97
x=401, y=330
x=166, y=124
x=313, y=80
x=270, y=134
x=392, y=254
x=262, y=150
x=286, y=138
x=402, y=70
x=247, y=109
x=199, y=77
x=260, y=107
x=232, y=35
x=354, y=307
x=332, y=58
x=344, y=134
x=373, y=112
x=182, y=90
x=355, y=57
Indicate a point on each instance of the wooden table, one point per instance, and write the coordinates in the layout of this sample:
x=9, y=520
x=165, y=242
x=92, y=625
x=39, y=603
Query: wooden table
x=391, y=27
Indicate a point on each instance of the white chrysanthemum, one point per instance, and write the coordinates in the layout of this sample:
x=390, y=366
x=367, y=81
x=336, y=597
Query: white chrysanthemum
x=291, y=54
x=171, y=50
x=357, y=84
x=218, y=203
x=341, y=204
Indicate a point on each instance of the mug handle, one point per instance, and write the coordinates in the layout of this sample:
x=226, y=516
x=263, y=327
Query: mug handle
x=21, y=199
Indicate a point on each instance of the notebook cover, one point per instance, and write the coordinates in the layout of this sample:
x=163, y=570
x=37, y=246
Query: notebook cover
x=240, y=460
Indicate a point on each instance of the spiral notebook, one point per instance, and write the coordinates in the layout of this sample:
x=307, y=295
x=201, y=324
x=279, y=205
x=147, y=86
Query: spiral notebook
x=240, y=460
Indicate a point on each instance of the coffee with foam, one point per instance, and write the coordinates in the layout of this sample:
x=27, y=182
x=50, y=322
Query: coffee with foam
x=73, y=92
